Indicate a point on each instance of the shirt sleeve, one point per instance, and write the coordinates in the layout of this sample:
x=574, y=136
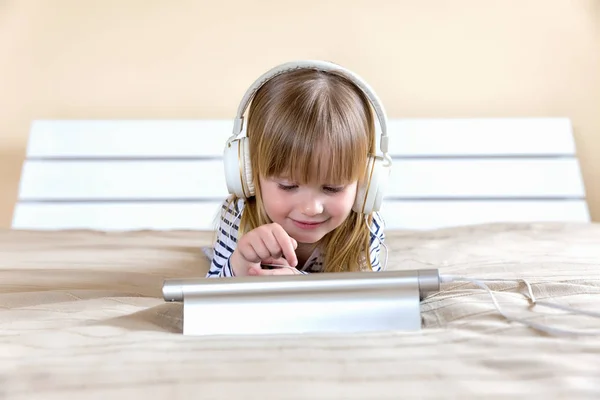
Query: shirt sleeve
x=226, y=241
x=377, y=239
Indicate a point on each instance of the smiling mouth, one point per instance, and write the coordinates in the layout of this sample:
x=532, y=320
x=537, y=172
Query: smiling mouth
x=307, y=224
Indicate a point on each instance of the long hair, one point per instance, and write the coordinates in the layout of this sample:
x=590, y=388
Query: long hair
x=311, y=125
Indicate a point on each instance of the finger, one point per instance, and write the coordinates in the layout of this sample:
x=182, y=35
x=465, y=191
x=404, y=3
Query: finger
x=276, y=271
x=246, y=249
x=287, y=247
x=276, y=261
x=257, y=271
x=284, y=271
x=249, y=254
x=272, y=244
x=260, y=248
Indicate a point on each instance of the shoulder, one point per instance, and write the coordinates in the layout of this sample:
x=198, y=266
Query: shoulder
x=229, y=218
x=377, y=224
x=376, y=231
x=377, y=239
x=231, y=209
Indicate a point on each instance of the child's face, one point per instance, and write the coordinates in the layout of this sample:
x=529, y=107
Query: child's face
x=307, y=212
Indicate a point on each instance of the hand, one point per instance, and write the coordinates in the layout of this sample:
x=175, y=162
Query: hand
x=267, y=244
x=275, y=267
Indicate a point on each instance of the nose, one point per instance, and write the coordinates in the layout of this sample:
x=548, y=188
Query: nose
x=312, y=205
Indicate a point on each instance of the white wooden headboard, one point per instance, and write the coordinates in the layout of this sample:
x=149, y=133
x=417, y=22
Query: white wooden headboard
x=168, y=174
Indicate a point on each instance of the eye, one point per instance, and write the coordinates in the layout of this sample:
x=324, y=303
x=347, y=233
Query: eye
x=287, y=188
x=333, y=189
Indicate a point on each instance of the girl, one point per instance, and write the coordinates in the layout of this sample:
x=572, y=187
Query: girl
x=310, y=134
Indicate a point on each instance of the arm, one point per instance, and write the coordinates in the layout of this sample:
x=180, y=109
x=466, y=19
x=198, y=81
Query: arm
x=377, y=240
x=226, y=242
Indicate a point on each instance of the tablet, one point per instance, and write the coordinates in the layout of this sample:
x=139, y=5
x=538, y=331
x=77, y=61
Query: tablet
x=311, y=303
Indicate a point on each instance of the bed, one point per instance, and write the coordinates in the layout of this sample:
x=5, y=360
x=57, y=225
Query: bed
x=82, y=268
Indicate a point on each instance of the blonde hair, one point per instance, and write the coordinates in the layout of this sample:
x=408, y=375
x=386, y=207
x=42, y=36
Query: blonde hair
x=307, y=124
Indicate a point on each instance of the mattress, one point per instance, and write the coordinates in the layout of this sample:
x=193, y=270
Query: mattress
x=82, y=315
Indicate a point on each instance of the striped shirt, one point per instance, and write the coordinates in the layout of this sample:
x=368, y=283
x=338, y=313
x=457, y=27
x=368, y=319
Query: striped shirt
x=226, y=242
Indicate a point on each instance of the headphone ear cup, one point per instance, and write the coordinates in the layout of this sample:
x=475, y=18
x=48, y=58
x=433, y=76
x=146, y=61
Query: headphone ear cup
x=247, y=169
x=370, y=193
x=238, y=169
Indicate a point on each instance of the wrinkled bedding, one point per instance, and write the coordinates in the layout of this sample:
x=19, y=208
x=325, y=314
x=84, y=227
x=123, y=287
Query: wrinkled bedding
x=82, y=315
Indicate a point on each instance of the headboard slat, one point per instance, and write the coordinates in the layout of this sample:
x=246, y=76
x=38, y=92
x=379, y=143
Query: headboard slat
x=205, y=179
x=206, y=138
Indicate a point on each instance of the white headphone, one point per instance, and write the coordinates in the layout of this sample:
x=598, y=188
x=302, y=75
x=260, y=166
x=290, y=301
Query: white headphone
x=236, y=156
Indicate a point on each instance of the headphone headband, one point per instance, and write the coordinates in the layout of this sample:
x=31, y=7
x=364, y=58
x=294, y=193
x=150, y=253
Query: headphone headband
x=321, y=66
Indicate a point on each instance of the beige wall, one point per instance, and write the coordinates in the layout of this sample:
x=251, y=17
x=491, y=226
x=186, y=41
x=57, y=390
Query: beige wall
x=194, y=59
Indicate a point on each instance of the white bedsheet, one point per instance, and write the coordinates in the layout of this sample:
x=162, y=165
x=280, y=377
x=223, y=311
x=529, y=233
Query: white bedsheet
x=82, y=315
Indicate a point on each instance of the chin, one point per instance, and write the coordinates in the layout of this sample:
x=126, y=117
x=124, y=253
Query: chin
x=307, y=237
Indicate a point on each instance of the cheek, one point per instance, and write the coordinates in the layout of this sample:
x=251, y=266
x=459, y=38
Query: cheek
x=273, y=201
x=344, y=204
x=274, y=205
